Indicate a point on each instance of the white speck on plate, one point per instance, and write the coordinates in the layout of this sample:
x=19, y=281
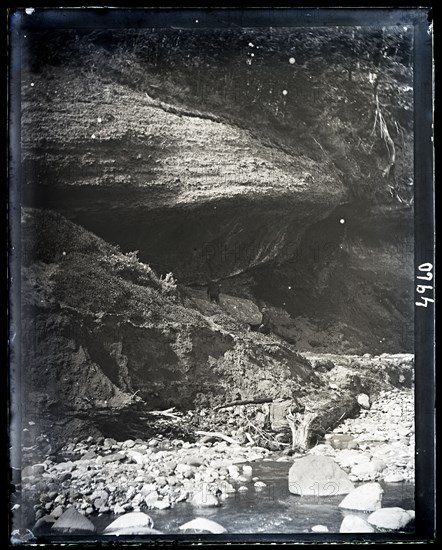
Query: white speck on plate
x=291, y=60
x=29, y=11
x=342, y=220
x=284, y=92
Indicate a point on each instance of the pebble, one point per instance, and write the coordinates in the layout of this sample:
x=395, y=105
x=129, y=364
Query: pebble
x=320, y=529
x=260, y=484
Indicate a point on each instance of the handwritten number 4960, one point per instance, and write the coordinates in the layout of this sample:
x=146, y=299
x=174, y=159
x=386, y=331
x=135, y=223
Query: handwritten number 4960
x=422, y=289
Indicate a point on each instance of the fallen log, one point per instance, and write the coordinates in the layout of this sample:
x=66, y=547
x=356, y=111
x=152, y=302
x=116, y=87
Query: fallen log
x=259, y=401
x=217, y=435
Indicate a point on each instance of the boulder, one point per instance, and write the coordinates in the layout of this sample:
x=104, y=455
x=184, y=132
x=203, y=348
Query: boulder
x=43, y=525
x=134, y=531
x=363, y=400
x=366, y=498
x=57, y=512
x=115, y=457
x=227, y=488
x=320, y=529
x=68, y=466
x=379, y=464
x=162, y=504
x=322, y=449
x=217, y=464
x=233, y=472
x=390, y=519
x=366, y=470
x=355, y=524
x=204, y=499
x=129, y=524
x=38, y=469
x=147, y=488
x=260, y=484
x=343, y=441
x=349, y=458
x=151, y=498
x=203, y=525
x=194, y=460
x=71, y=521
x=393, y=478
x=318, y=475
x=137, y=457
x=89, y=455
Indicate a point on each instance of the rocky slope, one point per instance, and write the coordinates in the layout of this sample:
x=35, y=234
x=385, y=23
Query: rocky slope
x=214, y=163
x=101, y=330
x=103, y=334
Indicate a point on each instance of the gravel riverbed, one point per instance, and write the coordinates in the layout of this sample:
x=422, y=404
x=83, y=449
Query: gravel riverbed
x=116, y=478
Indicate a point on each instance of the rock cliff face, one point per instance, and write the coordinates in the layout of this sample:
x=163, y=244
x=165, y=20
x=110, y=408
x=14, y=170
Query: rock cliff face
x=100, y=330
x=215, y=164
x=211, y=165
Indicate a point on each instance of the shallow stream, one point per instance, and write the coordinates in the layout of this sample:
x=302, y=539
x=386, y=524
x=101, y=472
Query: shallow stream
x=271, y=509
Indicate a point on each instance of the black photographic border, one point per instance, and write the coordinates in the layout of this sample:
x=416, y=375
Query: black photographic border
x=423, y=222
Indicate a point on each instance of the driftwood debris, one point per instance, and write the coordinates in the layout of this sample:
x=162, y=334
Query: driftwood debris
x=168, y=412
x=300, y=424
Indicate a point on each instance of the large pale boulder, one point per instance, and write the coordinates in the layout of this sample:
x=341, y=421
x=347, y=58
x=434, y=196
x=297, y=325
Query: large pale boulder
x=318, y=475
x=129, y=524
x=366, y=498
x=71, y=521
x=355, y=524
x=204, y=525
x=390, y=519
